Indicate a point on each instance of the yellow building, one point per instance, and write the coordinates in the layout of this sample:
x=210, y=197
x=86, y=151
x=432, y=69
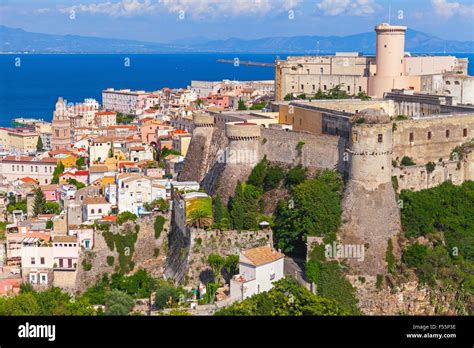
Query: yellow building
x=20, y=140
x=69, y=161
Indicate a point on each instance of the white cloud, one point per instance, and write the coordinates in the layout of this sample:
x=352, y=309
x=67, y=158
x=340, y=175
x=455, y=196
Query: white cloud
x=122, y=8
x=348, y=7
x=191, y=8
x=448, y=9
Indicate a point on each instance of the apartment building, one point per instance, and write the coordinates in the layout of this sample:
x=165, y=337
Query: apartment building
x=124, y=100
x=16, y=167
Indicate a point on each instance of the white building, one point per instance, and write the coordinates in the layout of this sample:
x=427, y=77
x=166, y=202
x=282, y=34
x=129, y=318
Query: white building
x=124, y=100
x=96, y=208
x=258, y=269
x=135, y=190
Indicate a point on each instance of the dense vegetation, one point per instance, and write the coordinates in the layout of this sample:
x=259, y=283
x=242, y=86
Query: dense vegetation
x=125, y=246
x=329, y=279
x=287, y=297
x=444, y=215
x=49, y=302
x=313, y=209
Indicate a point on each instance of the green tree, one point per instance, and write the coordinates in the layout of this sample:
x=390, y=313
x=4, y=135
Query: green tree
x=57, y=172
x=216, y=262
x=295, y=176
x=126, y=216
x=273, y=177
x=258, y=173
x=39, y=144
x=232, y=265
x=76, y=183
x=39, y=204
x=118, y=303
x=165, y=296
x=81, y=163
x=53, y=208
x=200, y=218
x=314, y=209
x=286, y=298
x=242, y=105
x=246, y=207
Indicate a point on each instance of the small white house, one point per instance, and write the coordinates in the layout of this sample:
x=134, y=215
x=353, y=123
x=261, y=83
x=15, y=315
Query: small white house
x=258, y=269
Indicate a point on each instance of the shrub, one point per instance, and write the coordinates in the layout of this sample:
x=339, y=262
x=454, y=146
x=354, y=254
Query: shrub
x=407, y=161
x=415, y=255
x=295, y=176
x=158, y=225
x=126, y=216
x=165, y=296
x=430, y=167
x=379, y=282
x=86, y=265
x=110, y=260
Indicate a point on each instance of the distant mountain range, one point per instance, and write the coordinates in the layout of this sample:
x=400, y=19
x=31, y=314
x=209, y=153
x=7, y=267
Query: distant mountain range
x=20, y=41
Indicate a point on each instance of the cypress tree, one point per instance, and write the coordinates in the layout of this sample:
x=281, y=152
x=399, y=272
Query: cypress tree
x=39, y=204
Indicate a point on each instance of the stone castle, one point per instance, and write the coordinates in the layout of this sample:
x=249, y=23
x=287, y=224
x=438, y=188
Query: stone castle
x=381, y=145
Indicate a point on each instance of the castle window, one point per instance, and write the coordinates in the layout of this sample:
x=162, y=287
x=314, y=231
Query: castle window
x=447, y=133
x=380, y=138
x=321, y=70
x=348, y=88
x=92, y=211
x=456, y=83
x=429, y=135
x=325, y=87
x=464, y=132
x=314, y=87
x=385, y=46
x=360, y=88
x=302, y=87
x=412, y=137
x=448, y=82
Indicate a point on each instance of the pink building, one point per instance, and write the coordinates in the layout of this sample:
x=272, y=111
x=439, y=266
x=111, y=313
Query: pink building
x=149, y=131
x=65, y=252
x=50, y=192
x=221, y=101
x=10, y=286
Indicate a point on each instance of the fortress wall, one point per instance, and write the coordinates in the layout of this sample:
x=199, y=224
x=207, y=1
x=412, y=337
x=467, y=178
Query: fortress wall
x=197, y=156
x=422, y=149
x=321, y=151
x=417, y=178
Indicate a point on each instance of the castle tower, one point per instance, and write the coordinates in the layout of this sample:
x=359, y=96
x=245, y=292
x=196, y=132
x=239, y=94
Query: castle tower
x=61, y=127
x=370, y=149
x=390, y=53
x=370, y=211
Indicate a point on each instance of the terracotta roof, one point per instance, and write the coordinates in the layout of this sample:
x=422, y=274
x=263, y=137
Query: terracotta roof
x=110, y=218
x=65, y=239
x=29, y=159
x=105, y=113
x=262, y=255
x=51, y=187
x=95, y=200
x=98, y=169
x=27, y=179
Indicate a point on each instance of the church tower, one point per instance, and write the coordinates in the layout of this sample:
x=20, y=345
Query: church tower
x=61, y=127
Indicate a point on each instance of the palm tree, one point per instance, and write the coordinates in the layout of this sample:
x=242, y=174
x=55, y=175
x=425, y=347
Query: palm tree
x=199, y=218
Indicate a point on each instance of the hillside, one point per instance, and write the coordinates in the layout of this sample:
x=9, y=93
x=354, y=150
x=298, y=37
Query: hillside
x=21, y=41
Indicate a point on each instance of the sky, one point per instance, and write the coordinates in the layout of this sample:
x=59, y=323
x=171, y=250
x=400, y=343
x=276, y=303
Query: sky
x=172, y=20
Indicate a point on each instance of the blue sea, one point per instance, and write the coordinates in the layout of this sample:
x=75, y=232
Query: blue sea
x=32, y=88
